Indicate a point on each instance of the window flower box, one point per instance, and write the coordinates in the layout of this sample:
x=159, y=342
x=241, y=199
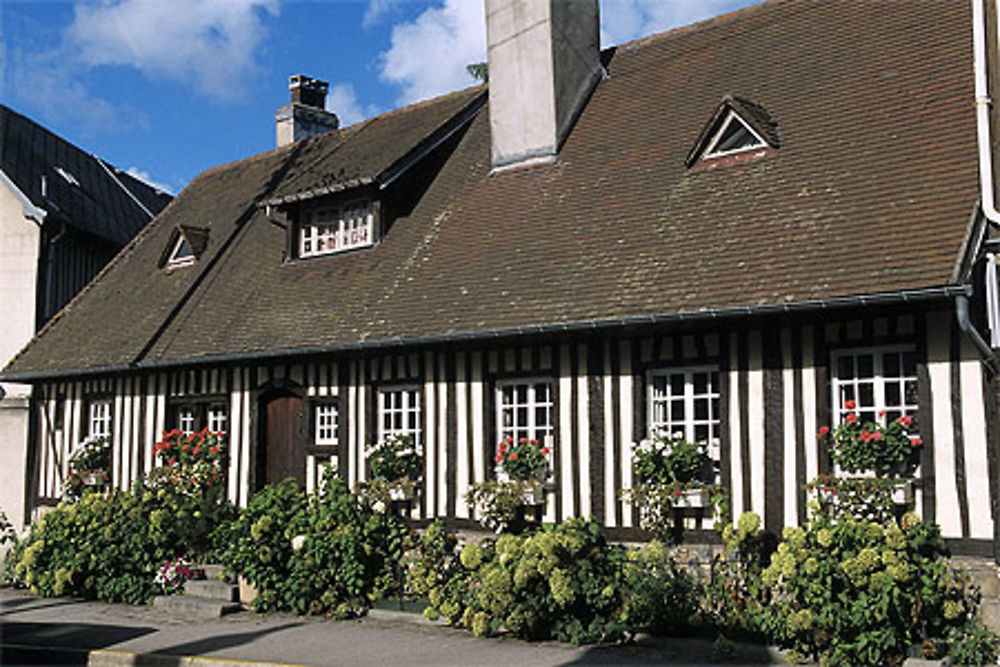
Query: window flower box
x=402, y=491
x=902, y=492
x=692, y=499
x=532, y=492
x=94, y=478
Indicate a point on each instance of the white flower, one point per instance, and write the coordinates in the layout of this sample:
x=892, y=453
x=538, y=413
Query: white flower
x=298, y=542
x=379, y=506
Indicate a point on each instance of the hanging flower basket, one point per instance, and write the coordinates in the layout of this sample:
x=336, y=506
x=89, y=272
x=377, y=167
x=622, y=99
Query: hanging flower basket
x=402, y=491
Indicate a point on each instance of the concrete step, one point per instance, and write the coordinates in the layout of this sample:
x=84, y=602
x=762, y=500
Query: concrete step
x=212, y=589
x=989, y=614
x=988, y=581
x=195, y=608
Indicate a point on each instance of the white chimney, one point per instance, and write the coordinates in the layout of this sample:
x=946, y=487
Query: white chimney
x=306, y=114
x=544, y=60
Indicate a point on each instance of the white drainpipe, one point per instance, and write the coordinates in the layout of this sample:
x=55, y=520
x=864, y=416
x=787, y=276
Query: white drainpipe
x=987, y=200
x=983, y=104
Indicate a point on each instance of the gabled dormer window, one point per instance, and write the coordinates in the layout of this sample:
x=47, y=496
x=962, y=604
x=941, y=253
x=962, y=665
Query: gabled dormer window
x=738, y=128
x=182, y=255
x=184, y=247
x=336, y=227
x=732, y=136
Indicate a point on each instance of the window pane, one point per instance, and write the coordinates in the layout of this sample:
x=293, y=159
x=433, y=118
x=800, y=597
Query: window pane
x=866, y=366
x=845, y=368
x=700, y=383
x=701, y=408
x=892, y=395
x=890, y=365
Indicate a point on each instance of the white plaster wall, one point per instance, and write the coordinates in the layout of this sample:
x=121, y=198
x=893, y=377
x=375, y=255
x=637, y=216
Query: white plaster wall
x=19, y=238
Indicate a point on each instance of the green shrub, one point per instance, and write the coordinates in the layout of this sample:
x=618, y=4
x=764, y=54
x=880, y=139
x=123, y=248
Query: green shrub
x=326, y=553
x=91, y=458
x=852, y=591
x=973, y=644
x=563, y=582
x=111, y=547
x=660, y=598
x=396, y=458
x=736, y=598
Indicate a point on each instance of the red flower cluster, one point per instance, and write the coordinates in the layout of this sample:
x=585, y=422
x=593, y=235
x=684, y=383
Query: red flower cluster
x=523, y=459
x=178, y=447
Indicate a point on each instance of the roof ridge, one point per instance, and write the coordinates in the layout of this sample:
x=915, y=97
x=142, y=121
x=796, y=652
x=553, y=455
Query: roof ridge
x=703, y=24
x=416, y=105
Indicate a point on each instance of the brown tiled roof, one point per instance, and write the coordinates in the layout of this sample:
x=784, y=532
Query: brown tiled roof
x=870, y=192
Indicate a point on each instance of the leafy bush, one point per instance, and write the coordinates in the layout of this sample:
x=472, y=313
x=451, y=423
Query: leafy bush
x=560, y=582
x=660, y=597
x=326, y=553
x=973, y=644
x=396, y=458
x=92, y=458
x=851, y=591
x=563, y=582
x=522, y=459
x=111, y=547
x=736, y=598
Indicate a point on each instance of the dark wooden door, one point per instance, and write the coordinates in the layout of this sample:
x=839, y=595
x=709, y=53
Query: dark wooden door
x=283, y=447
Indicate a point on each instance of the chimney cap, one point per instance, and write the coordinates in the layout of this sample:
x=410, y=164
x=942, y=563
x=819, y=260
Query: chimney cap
x=307, y=90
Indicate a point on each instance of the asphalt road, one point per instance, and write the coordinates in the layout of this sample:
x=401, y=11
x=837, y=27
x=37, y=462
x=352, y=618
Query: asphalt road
x=62, y=631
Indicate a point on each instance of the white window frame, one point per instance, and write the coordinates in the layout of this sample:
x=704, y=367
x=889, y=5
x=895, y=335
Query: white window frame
x=714, y=421
x=176, y=262
x=335, y=226
x=993, y=299
x=99, y=419
x=410, y=405
x=326, y=423
x=531, y=429
x=878, y=381
x=731, y=117
x=217, y=418
x=186, y=418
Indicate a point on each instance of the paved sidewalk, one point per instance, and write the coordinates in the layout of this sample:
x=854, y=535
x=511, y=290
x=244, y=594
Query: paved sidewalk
x=70, y=632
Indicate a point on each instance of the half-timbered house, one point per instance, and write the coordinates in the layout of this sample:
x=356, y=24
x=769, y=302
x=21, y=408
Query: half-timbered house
x=726, y=230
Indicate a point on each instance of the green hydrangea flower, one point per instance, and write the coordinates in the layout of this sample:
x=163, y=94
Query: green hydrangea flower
x=824, y=537
x=472, y=556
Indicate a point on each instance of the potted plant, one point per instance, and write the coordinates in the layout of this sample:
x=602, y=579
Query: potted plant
x=871, y=449
x=684, y=466
x=397, y=461
x=89, y=466
x=524, y=461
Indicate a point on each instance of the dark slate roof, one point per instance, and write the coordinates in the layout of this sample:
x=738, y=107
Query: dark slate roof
x=870, y=192
x=98, y=203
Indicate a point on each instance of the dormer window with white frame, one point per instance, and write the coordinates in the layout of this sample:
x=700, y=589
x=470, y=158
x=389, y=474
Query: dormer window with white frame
x=329, y=229
x=182, y=254
x=732, y=136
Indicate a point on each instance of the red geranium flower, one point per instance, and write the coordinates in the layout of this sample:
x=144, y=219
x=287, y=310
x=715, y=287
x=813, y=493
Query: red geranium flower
x=851, y=417
x=512, y=457
x=917, y=442
x=877, y=435
x=850, y=404
x=823, y=431
x=865, y=436
x=881, y=413
x=172, y=461
x=905, y=420
x=545, y=450
x=499, y=458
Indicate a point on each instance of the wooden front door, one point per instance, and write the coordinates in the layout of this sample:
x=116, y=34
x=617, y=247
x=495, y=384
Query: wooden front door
x=283, y=447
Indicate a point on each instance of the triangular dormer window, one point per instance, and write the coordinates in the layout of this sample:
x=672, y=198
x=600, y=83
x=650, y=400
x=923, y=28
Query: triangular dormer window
x=738, y=126
x=184, y=247
x=733, y=136
x=182, y=255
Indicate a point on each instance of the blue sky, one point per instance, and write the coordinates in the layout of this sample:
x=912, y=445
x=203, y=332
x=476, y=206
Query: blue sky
x=167, y=88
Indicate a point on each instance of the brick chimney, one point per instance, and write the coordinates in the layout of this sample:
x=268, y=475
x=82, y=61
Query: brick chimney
x=544, y=60
x=306, y=114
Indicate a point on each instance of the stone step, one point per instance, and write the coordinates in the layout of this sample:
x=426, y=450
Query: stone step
x=212, y=589
x=989, y=614
x=195, y=608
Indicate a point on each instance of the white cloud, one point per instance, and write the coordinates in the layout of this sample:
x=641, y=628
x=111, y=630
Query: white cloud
x=428, y=56
x=144, y=176
x=377, y=9
x=207, y=43
x=624, y=20
x=343, y=101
